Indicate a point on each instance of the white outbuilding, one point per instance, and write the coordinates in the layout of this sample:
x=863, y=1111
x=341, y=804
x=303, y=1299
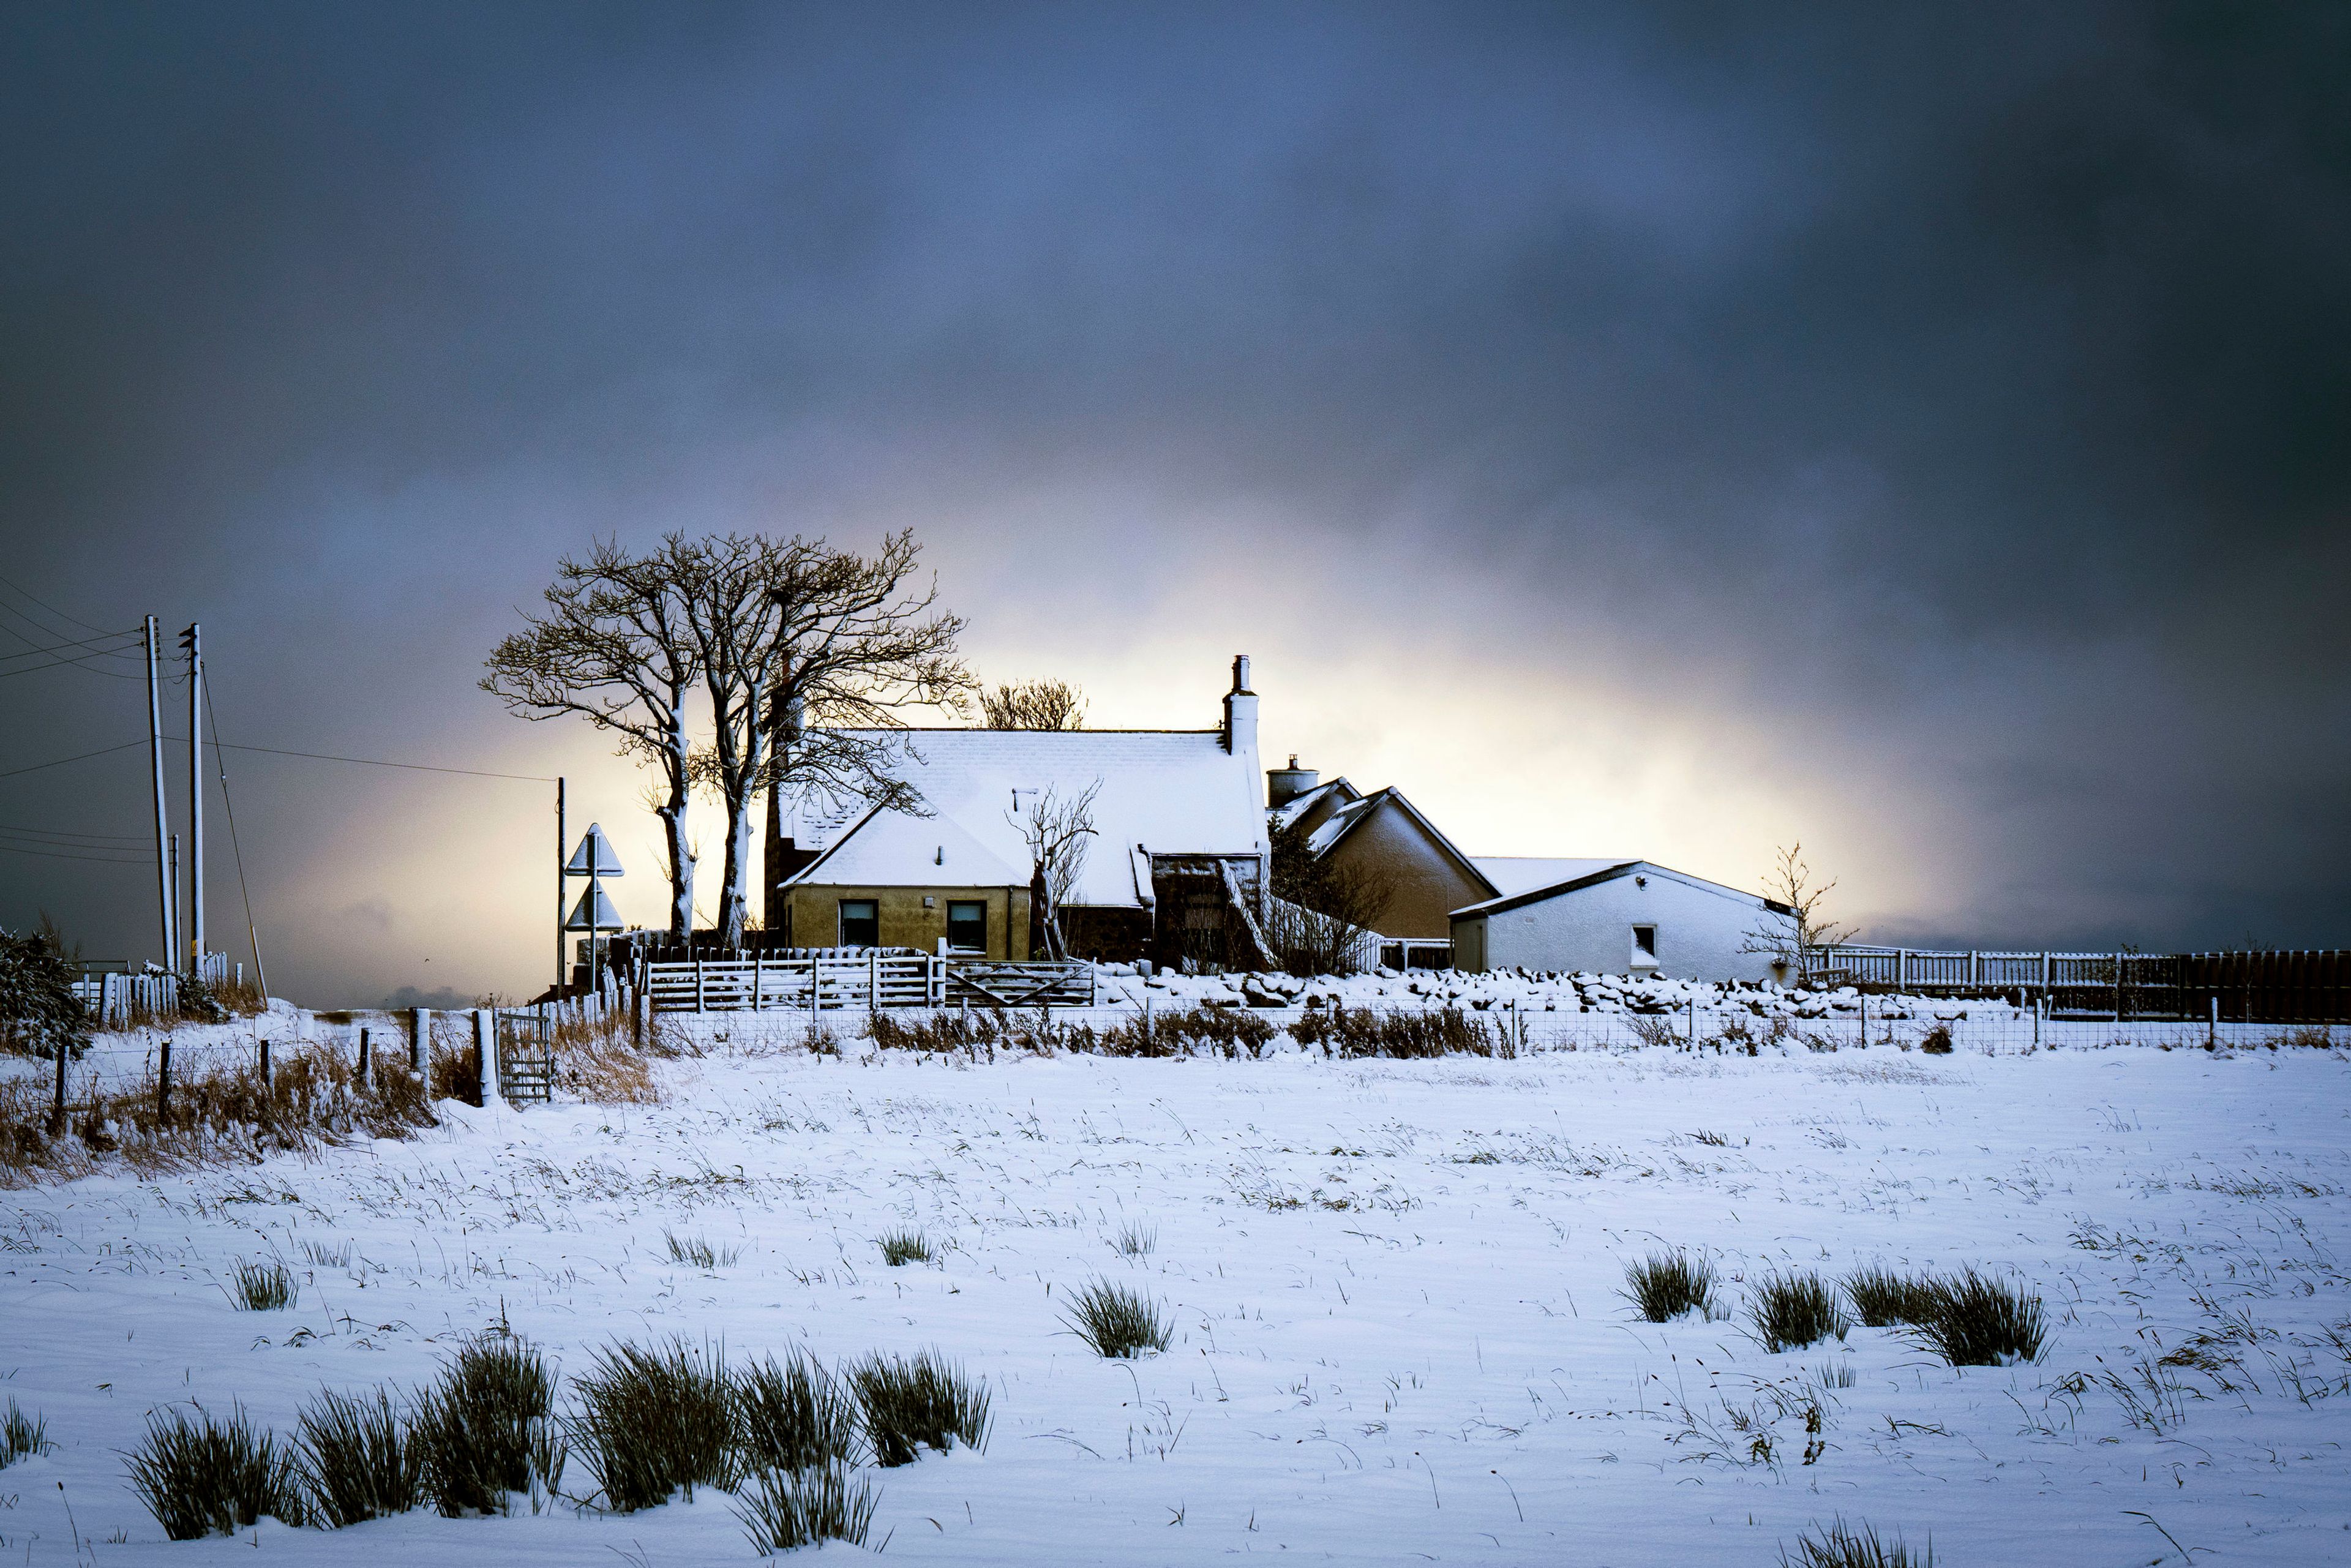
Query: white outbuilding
x=1623, y=917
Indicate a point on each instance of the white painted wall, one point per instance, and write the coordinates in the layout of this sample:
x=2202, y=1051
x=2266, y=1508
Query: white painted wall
x=1700, y=928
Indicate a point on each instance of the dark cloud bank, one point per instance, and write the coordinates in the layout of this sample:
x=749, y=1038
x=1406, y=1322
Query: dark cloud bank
x=1958, y=399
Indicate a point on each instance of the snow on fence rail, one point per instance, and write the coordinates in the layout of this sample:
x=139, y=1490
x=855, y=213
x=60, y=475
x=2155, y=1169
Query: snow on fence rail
x=115, y=997
x=869, y=979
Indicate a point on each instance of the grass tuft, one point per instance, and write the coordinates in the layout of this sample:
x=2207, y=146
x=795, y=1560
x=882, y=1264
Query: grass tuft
x=1885, y=1298
x=1841, y=1545
x=651, y=1421
x=784, y=1509
x=911, y=1402
x=1835, y=1374
x=485, y=1429
x=264, y=1287
x=901, y=1246
x=1664, y=1285
x=698, y=1252
x=1979, y=1321
x=1793, y=1311
x=357, y=1459
x=201, y=1477
x=793, y=1415
x=1136, y=1239
x=22, y=1437
x=1119, y=1321
x=319, y=1255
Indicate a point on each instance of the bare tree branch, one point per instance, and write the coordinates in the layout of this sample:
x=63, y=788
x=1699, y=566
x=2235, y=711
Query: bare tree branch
x=1034, y=705
x=1794, y=936
x=1056, y=831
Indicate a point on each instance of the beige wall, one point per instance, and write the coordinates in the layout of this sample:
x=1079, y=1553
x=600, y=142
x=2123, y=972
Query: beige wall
x=815, y=917
x=1429, y=885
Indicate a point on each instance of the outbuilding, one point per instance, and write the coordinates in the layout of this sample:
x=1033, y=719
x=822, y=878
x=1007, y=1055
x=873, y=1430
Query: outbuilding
x=1628, y=917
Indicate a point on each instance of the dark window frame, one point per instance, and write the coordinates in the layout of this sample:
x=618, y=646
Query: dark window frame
x=872, y=917
x=1648, y=948
x=967, y=904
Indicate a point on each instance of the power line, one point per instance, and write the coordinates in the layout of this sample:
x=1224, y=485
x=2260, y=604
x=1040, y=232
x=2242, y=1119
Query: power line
x=372, y=762
x=60, y=762
x=48, y=606
x=229, y=807
x=84, y=642
x=68, y=839
x=54, y=855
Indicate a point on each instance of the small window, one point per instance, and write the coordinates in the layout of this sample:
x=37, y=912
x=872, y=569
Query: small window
x=861, y=923
x=966, y=926
x=1644, y=942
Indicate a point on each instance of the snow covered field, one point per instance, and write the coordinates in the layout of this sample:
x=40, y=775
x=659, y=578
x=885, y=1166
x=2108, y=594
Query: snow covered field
x=1395, y=1284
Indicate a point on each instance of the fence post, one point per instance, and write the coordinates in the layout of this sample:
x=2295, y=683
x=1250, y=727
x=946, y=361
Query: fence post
x=1864, y=1020
x=2037, y=1004
x=418, y=1025
x=420, y=1045
x=873, y=980
x=758, y=973
x=164, y=1083
x=698, y=984
x=2213, y=1027
x=2118, y=987
x=1693, y=1023
x=1901, y=969
x=366, y=1050
x=58, y=1114
x=485, y=1052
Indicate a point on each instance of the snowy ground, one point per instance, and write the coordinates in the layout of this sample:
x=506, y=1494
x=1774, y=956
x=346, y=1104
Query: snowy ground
x=1400, y=1338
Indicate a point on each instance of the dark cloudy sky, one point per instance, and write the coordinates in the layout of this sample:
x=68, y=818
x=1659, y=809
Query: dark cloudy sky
x=1645, y=430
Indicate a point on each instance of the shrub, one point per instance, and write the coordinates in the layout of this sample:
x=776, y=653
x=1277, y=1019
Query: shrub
x=484, y=1430
x=356, y=1458
x=1793, y=1311
x=22, y=1437
x=204, y=1477
x=651, y=1421
x=913, y=1401
x=1664, y=1285
x=1118, y=1320
x=902, y=1247
x=1979, y=1321
x=1179, y=1032
x=1884, y=1298
x=793, y=1415
x=784, y=1509
x=39, y=1009
x=1840, y=1545
x=262, y=1287
x=1938, y=1040
x=1406, y=1034
x=1136, y=1240
x=698, y=1252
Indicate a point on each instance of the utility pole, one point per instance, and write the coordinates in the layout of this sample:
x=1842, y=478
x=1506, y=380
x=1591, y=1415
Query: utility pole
x=561, y=888
x=192, y=640
x=166, y=897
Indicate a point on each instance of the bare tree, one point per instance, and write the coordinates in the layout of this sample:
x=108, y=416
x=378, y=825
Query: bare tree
x=1057, y=831
x=1323, y=913
x=1034, y=705
x=614, y=646
x=808, y=652
x=1794, y=924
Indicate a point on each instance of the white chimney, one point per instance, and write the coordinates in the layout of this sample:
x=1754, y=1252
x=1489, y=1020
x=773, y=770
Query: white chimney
x=1240, y=712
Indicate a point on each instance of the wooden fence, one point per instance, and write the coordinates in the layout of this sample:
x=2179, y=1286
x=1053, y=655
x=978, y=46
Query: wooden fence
x=116, y=999
x=869, y=980
x=2296, y=987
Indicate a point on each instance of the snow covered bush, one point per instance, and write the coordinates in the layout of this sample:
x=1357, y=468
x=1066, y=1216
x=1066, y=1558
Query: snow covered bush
x=39, y=1009
x=918, y=1401
x=651, y=1421
x=1793, y=1311
x=1664, y=1285
x=204, y=1477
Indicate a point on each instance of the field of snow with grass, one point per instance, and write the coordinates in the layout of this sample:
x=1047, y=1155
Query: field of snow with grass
x=1396, y=1291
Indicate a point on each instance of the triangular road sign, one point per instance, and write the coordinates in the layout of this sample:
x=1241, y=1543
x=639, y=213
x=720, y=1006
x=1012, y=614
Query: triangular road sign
x=595, y=846
x=606, y=917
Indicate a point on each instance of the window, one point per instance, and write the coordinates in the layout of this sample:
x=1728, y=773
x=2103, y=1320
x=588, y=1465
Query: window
x=966, y=926
x=1644, y=942
x=861, y=923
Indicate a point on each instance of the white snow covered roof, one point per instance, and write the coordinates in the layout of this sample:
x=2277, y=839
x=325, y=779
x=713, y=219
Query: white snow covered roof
x=1162, y=792
x=1523, y=874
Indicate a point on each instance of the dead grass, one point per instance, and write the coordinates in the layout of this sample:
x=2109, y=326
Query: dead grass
x=222, y=1115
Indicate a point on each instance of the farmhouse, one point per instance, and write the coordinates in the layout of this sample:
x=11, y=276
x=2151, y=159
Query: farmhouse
x=1175, y=868
x=1386, y=838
